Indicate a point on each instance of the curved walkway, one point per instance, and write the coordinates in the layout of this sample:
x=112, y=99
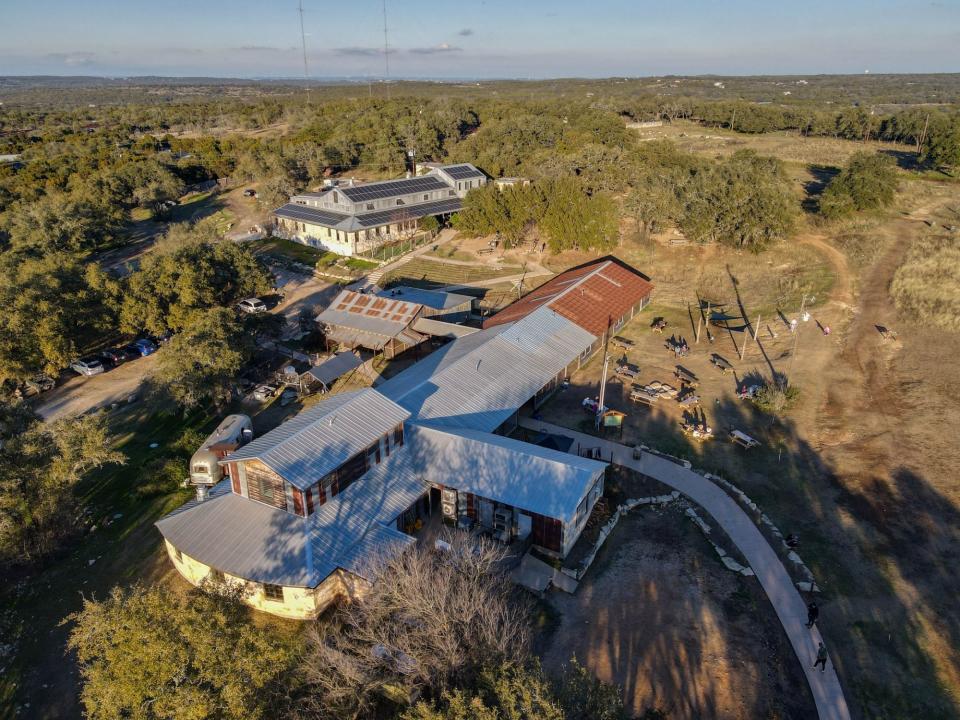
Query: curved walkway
x=742, y=531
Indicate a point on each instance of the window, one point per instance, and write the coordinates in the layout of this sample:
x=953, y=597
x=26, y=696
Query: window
x=369, y=206
x=273, y=592
x=452, y=193
x=266, y=488
x=217, y=576
x=426, y=197
x=336, y=197
x=399, y=201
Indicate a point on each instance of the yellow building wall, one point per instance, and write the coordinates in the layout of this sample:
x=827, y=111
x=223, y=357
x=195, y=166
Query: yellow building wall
x=298, y=603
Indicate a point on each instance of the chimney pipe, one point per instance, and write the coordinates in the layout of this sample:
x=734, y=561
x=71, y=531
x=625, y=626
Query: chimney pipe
x=202, y=491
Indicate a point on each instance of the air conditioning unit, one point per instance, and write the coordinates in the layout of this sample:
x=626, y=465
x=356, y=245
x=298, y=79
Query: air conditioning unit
x=503, y=524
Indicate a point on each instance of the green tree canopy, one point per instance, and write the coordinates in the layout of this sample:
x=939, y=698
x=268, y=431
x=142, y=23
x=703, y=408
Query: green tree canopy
x=53, y=306
x=186, y=275
x=201, y=362
x=869, y=181
x=745, y=201
x=152, y=654
x=40, y=464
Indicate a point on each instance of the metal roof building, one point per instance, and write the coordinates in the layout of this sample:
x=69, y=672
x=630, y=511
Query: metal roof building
x=481, y=381
x=322, y=438
x=376, y=323
x=350, y=219
x=512, y=472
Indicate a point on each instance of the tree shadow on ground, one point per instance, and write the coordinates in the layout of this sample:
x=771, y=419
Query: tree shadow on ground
x=882, y=548
x=822, y=175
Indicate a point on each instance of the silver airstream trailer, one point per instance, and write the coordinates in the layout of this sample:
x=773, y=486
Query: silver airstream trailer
x=234, y=431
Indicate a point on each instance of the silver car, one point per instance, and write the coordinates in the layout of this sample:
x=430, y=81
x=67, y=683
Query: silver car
x=252, y=306
x=87, y=366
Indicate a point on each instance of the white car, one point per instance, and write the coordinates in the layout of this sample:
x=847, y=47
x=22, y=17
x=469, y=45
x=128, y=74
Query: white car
x=264, y=392
x=252, y=306
x=87, y=366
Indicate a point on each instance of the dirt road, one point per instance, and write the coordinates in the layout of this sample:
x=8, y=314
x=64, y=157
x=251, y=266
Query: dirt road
x=80, y=394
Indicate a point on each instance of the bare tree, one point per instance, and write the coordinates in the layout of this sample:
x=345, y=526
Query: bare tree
x=430, y=619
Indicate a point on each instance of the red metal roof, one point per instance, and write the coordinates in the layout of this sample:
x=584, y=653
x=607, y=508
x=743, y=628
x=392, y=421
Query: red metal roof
x=589, y=296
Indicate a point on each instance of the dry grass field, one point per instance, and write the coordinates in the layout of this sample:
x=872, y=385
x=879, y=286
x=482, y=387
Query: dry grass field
x=863, y=468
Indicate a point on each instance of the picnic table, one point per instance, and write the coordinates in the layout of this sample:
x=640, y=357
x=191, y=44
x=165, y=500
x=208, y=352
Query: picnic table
x=628, y=370
x=721, y=363
x=659, y=325
x=742, y=439
x=655, y=387
x=685, y=376
x=622, y=342
x=643, y=397
x=689, y=400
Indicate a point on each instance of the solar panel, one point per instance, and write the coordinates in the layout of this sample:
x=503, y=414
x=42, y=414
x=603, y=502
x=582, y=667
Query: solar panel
x=308, y=214
x=383, y=217
x=462, y=172
x=393, y=188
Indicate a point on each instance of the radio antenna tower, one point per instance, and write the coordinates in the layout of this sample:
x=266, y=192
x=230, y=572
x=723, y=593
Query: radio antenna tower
x=386, y=50
x=303, y=42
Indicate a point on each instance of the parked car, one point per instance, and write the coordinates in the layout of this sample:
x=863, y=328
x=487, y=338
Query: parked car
x=142, y=347
x=159, y=340
x=114, y=356
x=252, y=306
x=264, y=392
x=87, y=366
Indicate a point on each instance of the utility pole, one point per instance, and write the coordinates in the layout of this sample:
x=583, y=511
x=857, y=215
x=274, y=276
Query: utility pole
x=603, y=378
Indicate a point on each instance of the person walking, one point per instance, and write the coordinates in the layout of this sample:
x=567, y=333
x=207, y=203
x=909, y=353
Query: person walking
x=821, y=658
x=813, y=612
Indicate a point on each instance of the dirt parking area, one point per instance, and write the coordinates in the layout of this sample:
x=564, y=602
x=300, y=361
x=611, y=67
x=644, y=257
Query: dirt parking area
x=80, y=394
x=660, y=616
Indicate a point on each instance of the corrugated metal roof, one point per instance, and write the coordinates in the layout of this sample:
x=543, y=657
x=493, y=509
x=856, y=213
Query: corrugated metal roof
x=498, y=374
x=334, y=367
x=409, y=212
x=369, y=313
x=588, y=296
x=498, y=468
x=439, y=328
x=370, y=505
x=436, y=299
x=463, y=171
x=244, y=538
x=322, y=438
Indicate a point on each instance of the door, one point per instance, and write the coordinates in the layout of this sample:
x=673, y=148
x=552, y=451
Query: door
x=524, y=525
x=486, y=513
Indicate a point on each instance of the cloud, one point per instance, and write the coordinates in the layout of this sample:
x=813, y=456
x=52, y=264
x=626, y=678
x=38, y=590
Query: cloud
x=360, y=51
x=466, y=32
x=74, y=59
x=441, y=48
x=263, y=49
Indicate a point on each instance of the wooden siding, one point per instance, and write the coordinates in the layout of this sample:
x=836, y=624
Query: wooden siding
x=264, y=485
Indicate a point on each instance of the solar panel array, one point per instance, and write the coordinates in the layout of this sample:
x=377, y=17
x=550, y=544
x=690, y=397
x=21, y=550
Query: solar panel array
x=309, y=214
x=383, y=217
x=462, y=172
x=393, y=188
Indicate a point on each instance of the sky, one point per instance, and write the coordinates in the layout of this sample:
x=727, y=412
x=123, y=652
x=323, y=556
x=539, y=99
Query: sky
x=477, y=38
